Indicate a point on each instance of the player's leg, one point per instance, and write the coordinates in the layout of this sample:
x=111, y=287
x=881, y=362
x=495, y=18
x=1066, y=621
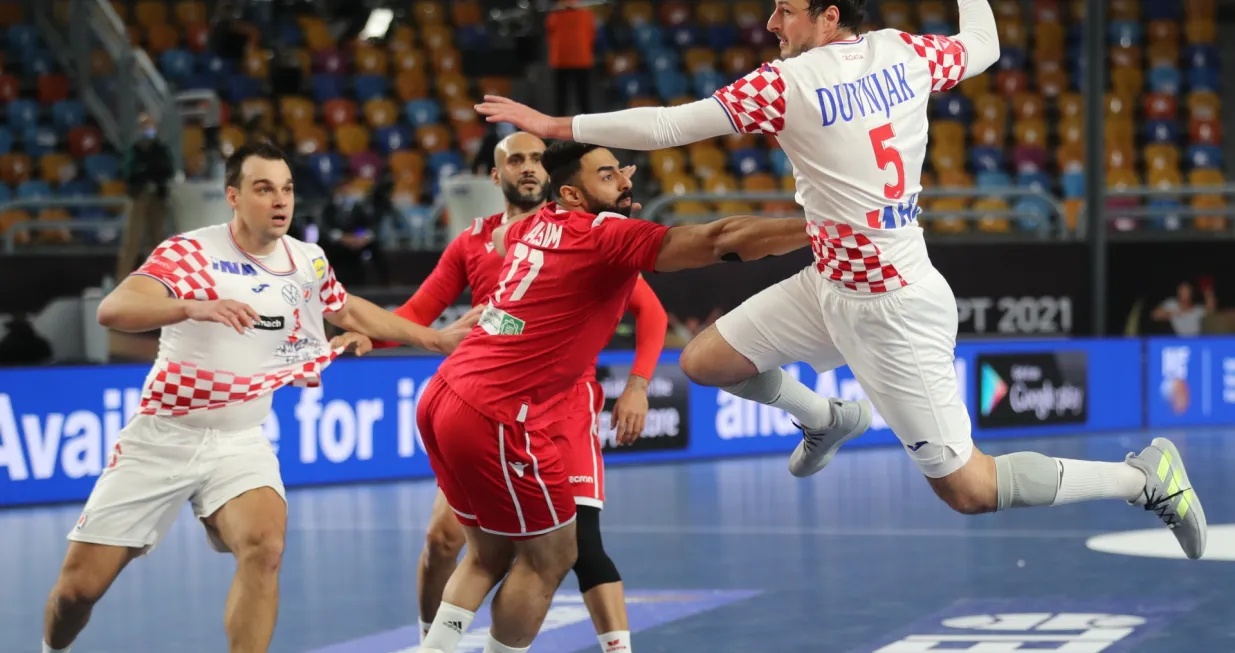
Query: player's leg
x=444, y=540
x=744, y=351
x=901, y=348
x=131, y=508
x=244, y=509
x=522, y=602
x=88, y=570
x=577, y=438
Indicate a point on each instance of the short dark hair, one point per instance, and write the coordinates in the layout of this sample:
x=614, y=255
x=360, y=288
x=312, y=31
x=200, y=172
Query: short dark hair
x=262, y=150
x=562, y=161
x=852, y=12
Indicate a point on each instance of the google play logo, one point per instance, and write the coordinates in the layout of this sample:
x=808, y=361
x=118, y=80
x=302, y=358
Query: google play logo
x=993, y=389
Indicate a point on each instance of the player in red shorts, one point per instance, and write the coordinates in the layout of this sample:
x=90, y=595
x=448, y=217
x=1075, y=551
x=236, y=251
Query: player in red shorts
x=470, y=261
x=484, y=417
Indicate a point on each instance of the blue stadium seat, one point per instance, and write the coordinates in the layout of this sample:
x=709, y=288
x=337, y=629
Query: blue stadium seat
x=23, y=114
x=213, y=66
x=102, y=167
x=722, y=37
x=1168, y=221
x=954, y=107
x=239, y=88
x=748, y=161
x=68, y=114
x=423, y=112
x=1033, y=213
x=1205, y=157
x=6, y=140
x=327, y=87
x=1011, y=58
x=1152, y=10
x=442, y=165
x=1073, y=184
x=633, y=86
x=40, y=140
x=993, y=179
x=707, y=82
x=6, y=195
x=663, y=60
x=328, y=168
x=20, y=40
x=1125, y=33
x=371, y=86
x=472, y=39
x=176, y=64
x=671, y=84
x=1204, y=79
x=39, y=62
x=1162, y=131
x=1201, y=56
x=648, y=37
x=1164, y=80
x=1034, y=181
x=987, y=158
x=392, y=138
x=34, y=189
x=289, y=33
x=79, y=187
x=781, y=165
x=685, y=37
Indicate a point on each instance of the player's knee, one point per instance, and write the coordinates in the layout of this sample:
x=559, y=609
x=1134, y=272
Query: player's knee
x=593, y=567
x=967, y=498
x=75, y=593
x=443, y=542
x=261, y=551
x=709, y=361
x=554, y=555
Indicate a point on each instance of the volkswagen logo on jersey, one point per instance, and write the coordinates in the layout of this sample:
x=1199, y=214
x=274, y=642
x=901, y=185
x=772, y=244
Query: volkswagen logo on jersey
x=291, y=295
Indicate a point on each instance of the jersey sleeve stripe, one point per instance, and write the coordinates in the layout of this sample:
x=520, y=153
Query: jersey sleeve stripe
x=728, y=115
x=171, y=291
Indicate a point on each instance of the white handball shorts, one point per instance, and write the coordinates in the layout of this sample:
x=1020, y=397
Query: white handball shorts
x=900, y=345
x=157, y=465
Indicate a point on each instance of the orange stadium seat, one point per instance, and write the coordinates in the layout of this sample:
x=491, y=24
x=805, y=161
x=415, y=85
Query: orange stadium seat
x=370, y=60
x=381, y=112
x=436, y=37
x=339, y=111
x=411, y=85
x=310, y=139
x=749, y=13
x=426, y=12
x=150, y=13
x=712, y=12
x=995, y=222
x=466, y=13
x=231, y=137
x=294, y=110
x=191, y=12
x=15, y=168
x=638, y=12
x=57, y=168
x=351, y=139
x=622, y=63
x=494, y=86
x=433, y=138
x=674, y=13
x=666, y=163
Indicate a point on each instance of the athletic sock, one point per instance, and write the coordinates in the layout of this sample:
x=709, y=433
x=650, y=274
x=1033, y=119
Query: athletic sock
x=777, y=388
x=1086, y=480
x=448, y=627
x=494, y=646
x=617, y=641
x=48, y=649
x=424, y=630
x=1027, y=479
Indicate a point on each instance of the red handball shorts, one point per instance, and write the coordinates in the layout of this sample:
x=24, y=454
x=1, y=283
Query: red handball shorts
x=496, y=477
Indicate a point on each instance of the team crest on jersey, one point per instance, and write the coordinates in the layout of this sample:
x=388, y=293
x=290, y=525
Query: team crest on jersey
x=319, y=267
x=308, y=291
x=291, y=295
x=81, y=521
x=497, y=322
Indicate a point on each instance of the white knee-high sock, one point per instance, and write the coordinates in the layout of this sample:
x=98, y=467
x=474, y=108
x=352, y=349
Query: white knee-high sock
x=449, y=625
x=48, y=649
x=777, y=388
x=1087, y=480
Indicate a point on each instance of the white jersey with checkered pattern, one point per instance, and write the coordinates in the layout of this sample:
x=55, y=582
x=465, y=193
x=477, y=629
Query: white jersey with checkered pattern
x=852, y=118
x=206, y=374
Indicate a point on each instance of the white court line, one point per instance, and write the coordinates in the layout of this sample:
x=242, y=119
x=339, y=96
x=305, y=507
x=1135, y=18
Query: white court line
x=953, y=533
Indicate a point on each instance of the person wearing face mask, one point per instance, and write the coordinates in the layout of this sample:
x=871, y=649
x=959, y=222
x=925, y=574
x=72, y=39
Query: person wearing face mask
x=147, y=170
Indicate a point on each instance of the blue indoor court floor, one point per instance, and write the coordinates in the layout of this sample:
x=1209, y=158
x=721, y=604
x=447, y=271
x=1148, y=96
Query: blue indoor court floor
x=734, y=556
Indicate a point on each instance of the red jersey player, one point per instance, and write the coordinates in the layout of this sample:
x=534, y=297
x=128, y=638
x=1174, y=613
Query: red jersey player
x=470, y=261
x=563, y=287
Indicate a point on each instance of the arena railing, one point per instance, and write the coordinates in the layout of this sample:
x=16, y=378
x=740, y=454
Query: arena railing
x=1053, y=227
x=101, y=226
x=1183, y=211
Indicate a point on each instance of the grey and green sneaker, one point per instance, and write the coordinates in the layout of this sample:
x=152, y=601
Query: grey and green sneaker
x=1169, y=494
x=817, y=448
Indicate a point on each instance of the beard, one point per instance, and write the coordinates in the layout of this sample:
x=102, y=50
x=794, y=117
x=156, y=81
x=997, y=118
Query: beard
x=523, y=200
x=620, y=206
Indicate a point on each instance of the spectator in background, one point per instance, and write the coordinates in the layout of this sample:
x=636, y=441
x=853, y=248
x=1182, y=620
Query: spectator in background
x=349, y=233
x=147, y=170
x=1185, y=316
x=22, y=345
x=571, y=33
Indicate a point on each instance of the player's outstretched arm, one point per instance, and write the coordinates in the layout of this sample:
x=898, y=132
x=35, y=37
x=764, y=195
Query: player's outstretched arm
x=979, y=34
x=141, y=303
x=366, y=318
x=643, y=128
x=737, y=238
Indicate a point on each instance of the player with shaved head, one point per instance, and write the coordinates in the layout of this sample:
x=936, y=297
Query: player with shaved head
x=470, y=261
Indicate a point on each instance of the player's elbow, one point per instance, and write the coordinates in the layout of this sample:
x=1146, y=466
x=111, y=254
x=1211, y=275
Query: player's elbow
x=111, y=312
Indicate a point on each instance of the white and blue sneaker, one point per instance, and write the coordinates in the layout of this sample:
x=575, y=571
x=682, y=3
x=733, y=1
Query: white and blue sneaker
x=817, y=448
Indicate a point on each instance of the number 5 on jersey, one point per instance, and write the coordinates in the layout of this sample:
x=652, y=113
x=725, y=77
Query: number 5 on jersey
x=534, y=258
x=886, y=155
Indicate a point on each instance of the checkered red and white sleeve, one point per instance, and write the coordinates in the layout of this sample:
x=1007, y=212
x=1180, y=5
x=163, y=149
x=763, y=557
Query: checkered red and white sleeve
x=756, y=103
x=332, y=293
x=180, y=264
x=945, y=57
